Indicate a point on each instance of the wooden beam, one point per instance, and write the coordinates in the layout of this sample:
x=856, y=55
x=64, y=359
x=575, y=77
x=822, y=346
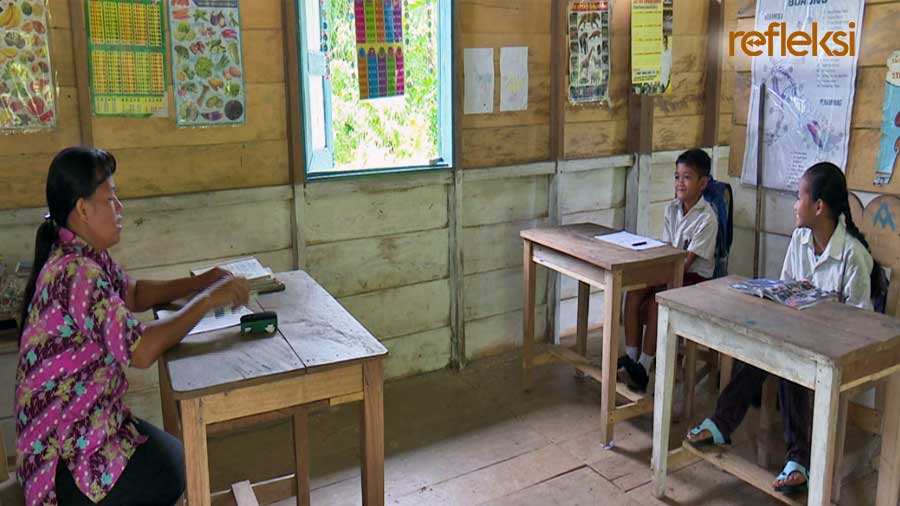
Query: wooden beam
x=455, y=201
x=747, y=471
x=243, y=494
x=558, y=64
x=296, y=148
x=713, y=72
x=640, y=123
x=82, y=71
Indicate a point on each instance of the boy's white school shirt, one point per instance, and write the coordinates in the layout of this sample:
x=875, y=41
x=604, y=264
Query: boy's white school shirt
x=844, y=256
x=695, y=232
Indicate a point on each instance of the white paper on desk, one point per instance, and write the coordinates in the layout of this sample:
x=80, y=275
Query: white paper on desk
x=479, y=80
x=631, y=241
x=220, y=318
x=513, y=78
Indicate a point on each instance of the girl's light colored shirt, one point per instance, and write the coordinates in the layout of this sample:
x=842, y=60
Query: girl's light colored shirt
x=845, y=266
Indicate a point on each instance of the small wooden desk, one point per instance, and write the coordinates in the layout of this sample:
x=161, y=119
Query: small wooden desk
x=830, y=348
x=573, y=251
x=321, y=355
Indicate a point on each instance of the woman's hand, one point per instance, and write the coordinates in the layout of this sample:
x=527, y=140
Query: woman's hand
x=211, y=276
x=228, y=291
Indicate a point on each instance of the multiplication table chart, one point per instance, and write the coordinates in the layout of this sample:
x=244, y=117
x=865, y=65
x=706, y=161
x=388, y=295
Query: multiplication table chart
x=126, y=55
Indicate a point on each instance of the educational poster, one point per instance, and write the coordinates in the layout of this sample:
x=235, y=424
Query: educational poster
x=127, y=57
x=651, y=46
x=589, y=52
x=207, y=62
x=379, y=47
x=479, y=82
x=809, y=98
x=513, y=78
x=27, y=90
x=889, y=149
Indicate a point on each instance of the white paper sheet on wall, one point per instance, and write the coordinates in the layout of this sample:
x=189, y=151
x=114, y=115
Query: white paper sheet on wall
x=479, y=69
x=513, y=78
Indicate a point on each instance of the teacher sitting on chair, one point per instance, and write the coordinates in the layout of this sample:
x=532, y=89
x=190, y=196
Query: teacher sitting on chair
x=77, y=443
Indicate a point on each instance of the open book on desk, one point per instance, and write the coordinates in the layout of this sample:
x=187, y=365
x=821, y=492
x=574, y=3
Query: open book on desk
x=796, y=294
x=260, y=278
x=216, y=319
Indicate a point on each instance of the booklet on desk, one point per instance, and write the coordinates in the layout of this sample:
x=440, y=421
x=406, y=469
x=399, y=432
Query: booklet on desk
x=796, y=294
x=261, y=278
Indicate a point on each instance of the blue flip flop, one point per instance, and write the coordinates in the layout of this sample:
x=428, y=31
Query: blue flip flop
x=717, y=438
x=790, y=468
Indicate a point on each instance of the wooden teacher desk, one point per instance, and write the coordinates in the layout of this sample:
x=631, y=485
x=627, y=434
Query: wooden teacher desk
x=573, y=251
x=830, y=348
x=320, y=355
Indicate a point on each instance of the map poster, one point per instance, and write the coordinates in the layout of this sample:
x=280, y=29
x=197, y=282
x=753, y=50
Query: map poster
x=889, y=149
x=588, y=25
x=809, y=98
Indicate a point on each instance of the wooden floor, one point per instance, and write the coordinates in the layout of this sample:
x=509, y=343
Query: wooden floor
x=473, y=438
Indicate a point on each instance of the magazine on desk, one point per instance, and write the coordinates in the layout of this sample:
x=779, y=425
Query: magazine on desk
x=795, y=294
x=260, y=278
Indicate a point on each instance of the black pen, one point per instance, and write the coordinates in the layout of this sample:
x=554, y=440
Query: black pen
x=639, y=243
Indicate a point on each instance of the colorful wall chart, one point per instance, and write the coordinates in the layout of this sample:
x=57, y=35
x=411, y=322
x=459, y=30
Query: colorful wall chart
x=651, y=46
x=588, y=24
x=889, y=150
x=379, y=47
x=207, y=62
x=27, y=92
x=127, y=57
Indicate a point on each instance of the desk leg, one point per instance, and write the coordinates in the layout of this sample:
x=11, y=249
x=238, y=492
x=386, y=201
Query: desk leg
x=612, y=308
x=372, y=434
x=666, y=362
x=825, y=414
x=196, y=459
x=889, y=463
x=725, y=370
x=767, y=422
x=839, y=443
x=167, y=400
x=584, y=301
x=301, y=456
x=690, y=378
x=528, y=314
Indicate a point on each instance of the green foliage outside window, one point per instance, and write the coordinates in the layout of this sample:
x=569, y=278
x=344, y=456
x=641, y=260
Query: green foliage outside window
x=385, y=132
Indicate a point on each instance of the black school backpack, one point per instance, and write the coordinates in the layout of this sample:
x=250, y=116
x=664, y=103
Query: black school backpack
x=721, y=197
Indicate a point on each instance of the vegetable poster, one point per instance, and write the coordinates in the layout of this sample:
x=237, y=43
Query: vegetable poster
x=127, y=57
x=27, y=92
x=379, y=47
x=207, y=62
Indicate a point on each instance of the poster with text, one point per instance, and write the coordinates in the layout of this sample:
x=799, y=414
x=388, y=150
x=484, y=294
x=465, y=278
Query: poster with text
x=589, y=55
x=27, y=89
x=207, y=62
x=127, y=58
x=379, y=48
x=809, y=98
x=889, y=148
x=651, y=46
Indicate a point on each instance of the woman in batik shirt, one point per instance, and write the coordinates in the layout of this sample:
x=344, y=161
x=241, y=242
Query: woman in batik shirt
x=77, y=443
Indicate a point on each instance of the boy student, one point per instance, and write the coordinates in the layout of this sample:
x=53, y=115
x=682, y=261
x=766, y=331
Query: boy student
x=828, y=250
x=690, y=224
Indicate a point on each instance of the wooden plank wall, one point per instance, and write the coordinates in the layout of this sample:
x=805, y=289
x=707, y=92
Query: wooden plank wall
x=878, y=39
x=592, y=131
x=155, y=157
x=506, y=138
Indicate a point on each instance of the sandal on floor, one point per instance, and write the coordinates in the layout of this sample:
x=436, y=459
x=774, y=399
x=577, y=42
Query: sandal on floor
x=708, y=425
x=790, y=468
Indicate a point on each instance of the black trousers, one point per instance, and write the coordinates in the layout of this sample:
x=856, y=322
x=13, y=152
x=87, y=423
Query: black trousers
x=796, y=409
x=154, y=476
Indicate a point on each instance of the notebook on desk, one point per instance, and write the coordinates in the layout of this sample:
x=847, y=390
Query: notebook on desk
x=261, y=278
